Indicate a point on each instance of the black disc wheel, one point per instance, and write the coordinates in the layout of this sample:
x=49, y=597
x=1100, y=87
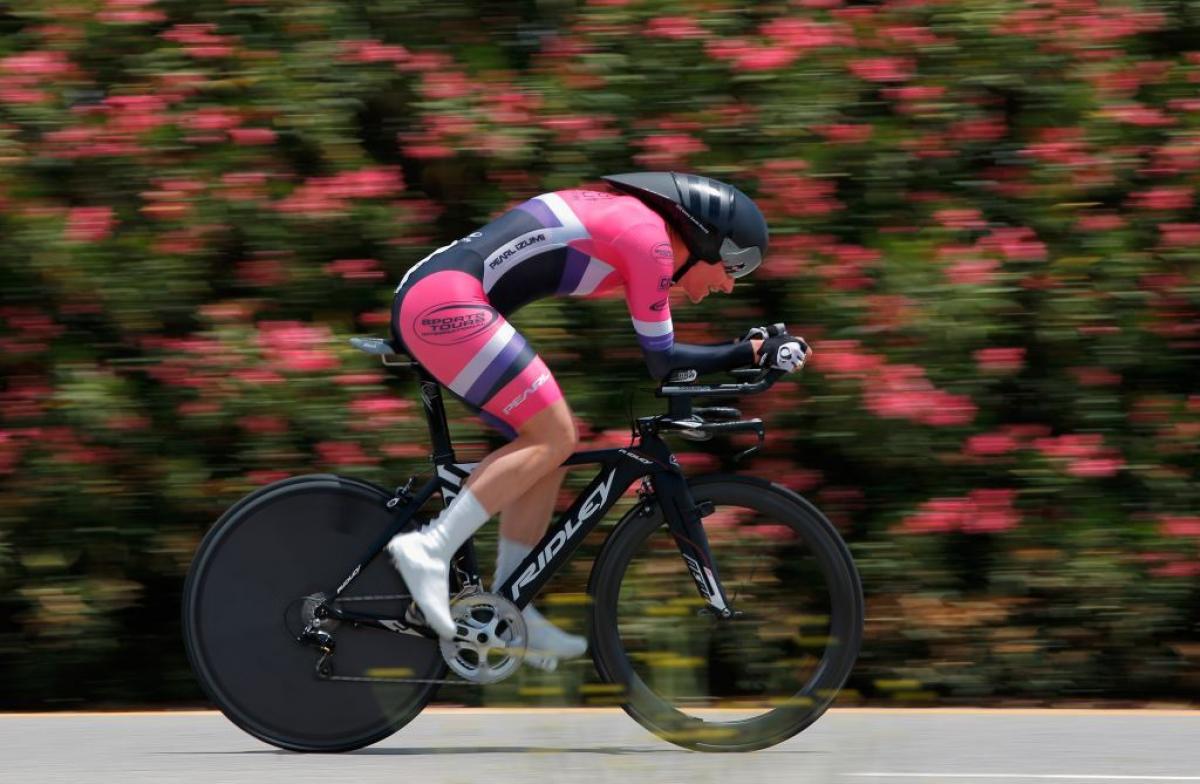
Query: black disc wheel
x=252, y=587
x=743, y=683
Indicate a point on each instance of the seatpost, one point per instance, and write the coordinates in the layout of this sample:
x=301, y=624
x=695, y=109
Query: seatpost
x=435, y=416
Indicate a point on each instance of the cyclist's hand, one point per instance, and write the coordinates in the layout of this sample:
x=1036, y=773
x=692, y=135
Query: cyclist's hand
x=768, y=331
x=783, y=352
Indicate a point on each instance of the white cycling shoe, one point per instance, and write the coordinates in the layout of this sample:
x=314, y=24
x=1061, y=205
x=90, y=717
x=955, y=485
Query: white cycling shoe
x=426, y=572
x=423, y=559
x=548, y=643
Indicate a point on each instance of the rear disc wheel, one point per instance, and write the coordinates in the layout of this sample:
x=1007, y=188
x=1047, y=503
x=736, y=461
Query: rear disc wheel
x=252, y=586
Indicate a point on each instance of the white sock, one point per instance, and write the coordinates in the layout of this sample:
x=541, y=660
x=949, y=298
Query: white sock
x=546, y=639
x=508, y=558
x=457, y=522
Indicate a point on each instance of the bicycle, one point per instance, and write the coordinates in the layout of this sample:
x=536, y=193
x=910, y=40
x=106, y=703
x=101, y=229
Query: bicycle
x=277, y=633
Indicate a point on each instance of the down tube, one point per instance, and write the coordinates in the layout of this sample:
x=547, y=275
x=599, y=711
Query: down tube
x=561, y=541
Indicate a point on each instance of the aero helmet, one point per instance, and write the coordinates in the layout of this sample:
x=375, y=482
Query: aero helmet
x=716, y=220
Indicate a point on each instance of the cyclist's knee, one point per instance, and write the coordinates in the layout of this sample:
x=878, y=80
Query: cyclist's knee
x=554, y=428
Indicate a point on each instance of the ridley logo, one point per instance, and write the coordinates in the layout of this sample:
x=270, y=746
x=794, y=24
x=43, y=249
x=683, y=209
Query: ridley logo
x=457, y=322
x=593, y=504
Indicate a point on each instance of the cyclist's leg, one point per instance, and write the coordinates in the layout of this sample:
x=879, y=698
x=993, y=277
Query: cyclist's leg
x=448, y=326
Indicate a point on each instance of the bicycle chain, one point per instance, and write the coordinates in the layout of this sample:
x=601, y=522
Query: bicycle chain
x=369, y=679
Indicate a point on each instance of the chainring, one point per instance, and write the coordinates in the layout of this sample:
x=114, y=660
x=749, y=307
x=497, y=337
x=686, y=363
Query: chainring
x=493, y=646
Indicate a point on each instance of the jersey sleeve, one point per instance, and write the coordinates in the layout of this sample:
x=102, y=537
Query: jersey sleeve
x=647, y=265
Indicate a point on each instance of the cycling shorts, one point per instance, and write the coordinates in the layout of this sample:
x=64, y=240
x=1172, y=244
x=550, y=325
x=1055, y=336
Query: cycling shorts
x=447, y=324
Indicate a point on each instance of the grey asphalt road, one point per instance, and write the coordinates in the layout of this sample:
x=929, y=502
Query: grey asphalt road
x=447, y=745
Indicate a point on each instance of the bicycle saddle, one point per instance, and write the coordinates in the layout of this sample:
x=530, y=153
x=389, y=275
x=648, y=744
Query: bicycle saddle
x=378, y=346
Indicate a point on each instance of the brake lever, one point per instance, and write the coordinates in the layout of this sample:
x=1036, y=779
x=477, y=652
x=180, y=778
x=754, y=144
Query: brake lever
x=757, y=426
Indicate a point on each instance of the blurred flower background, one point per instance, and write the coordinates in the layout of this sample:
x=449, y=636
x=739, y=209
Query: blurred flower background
x=984, y=219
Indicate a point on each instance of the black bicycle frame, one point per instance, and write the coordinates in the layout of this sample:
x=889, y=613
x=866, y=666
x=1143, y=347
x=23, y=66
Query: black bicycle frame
x=620, y=469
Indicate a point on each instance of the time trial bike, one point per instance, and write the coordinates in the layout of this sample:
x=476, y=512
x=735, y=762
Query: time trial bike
x=724, y=611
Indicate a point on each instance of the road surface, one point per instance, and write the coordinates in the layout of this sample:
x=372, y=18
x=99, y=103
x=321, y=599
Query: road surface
x=594, y=746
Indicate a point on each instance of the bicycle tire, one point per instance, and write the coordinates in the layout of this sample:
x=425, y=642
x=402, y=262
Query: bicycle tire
x=845, y=621
x=282, y=542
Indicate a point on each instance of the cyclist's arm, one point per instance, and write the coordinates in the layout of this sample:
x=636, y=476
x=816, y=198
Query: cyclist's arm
x=649, y=263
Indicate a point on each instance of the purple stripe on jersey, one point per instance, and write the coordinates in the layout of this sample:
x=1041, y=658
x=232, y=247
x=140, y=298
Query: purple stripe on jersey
x=576, y=264
x=657, y=342
x=541, y=212
x=494, y=370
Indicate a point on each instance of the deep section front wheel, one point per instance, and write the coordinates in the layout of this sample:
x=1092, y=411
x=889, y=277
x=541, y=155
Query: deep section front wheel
x=728, y=684
x=256, y=575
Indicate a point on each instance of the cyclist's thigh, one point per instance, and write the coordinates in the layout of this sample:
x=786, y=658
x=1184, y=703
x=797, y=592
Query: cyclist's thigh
x=447, y=324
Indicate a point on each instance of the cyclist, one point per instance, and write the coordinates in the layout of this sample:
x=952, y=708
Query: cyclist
x=450, y=311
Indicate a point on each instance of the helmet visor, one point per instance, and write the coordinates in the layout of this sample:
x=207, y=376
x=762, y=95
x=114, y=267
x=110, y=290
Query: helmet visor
x=739, y=262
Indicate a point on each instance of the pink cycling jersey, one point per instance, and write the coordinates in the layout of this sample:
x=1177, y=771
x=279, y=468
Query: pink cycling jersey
x=450, y=308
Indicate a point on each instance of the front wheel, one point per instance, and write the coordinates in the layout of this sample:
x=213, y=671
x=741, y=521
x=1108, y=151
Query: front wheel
x=738, y=684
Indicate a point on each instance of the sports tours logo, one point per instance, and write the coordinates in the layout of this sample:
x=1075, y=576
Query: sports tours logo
x=457, y=322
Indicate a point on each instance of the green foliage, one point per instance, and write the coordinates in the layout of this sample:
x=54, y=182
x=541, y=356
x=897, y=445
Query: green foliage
x=983, y=218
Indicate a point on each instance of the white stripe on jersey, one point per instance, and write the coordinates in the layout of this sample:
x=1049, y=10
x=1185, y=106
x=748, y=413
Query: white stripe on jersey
x=566, y=216
x=652, y=329
x=596, y=271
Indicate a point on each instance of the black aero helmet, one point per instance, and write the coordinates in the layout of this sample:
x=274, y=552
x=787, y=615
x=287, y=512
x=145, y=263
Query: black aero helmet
x=716, y=220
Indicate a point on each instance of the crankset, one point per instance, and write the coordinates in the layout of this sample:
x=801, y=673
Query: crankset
x=489, y=647
x=491, y=639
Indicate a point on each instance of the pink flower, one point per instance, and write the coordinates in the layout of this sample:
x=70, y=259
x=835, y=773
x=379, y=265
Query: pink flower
x=89, y=224
x=845, y=133
x=1101, y=221
x=343, y=453
x=1164, y=198
x=38, y=64
x=129, y=12
x=987, y=129
x=1175, y=526
x=936, y=516
x=1095, y=376
x=1134, y=113
x=263, y=424
x=947, y=410
x=295, y=347
x=960, y=219
x=371, y=51
x=770, y=58
x=800, y=33
x=679, y=28
x=1177, y=569
x=1000, y=360
x=988, y=444
x=379, y=405
x=1180, y=235
x=882, y=69
x=973, y=272
x=668, y=149
x=356, y=269
x=1015, y=244
x=248, y=137
x=991, y=512
x=210, y=119
x=1095, y=467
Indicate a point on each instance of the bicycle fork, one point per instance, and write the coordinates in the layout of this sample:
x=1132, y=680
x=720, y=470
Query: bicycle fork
x=685, y=522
